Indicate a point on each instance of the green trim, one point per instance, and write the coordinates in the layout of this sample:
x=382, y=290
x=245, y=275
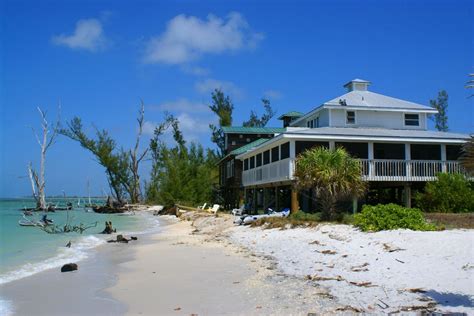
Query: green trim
x=252, y=130
x=291, y=114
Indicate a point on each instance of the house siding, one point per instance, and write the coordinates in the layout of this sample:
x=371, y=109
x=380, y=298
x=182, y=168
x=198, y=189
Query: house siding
x=392, y=120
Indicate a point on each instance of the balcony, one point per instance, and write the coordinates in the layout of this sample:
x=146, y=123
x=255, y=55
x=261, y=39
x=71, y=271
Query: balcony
x=372, y=170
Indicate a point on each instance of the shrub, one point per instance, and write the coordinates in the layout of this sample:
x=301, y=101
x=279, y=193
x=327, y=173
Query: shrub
x=450, y=193
x=390, y=216
x=303, y=216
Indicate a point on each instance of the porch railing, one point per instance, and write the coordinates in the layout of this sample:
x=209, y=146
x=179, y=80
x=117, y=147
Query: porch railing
x=372, y=170
x=406, y=170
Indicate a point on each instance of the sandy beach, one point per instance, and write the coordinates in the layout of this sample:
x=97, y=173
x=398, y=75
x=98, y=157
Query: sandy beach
x=204, y=265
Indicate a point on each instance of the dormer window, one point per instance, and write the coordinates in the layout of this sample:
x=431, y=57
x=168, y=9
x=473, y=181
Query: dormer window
x=350, y=117
x=412, y=120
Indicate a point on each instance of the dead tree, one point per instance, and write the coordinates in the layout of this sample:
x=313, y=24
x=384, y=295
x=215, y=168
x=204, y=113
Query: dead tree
x=49, y=134
x=135, y=159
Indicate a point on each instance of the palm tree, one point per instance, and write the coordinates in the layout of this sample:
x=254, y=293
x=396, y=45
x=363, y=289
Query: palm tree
x=333, y=175
x=467, y=157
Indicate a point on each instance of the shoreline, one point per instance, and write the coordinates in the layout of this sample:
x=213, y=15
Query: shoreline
x=203, y=264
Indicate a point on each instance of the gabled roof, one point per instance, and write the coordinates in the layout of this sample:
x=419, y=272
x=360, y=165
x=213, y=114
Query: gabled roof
x=291, y=114
x=252, y=130
x=368, y=99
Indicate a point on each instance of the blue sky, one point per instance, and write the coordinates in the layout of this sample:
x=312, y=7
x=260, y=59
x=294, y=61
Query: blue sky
x=98, y=58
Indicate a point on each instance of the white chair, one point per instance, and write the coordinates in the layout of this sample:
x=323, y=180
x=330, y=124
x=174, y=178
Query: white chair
x=202, y=207
x=238, y=211
x=214, y=208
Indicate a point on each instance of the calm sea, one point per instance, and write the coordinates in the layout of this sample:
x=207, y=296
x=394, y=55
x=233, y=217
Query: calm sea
x=25, y=251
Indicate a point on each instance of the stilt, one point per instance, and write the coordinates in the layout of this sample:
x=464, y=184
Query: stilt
x=294, y=201
x=276, y=199
x=407, y=189
x=354, y=205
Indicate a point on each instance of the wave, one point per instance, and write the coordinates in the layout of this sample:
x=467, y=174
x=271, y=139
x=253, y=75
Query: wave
x=6, y=308
x=77, y=252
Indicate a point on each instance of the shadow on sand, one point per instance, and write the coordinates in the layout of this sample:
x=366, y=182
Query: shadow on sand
x=450, y=299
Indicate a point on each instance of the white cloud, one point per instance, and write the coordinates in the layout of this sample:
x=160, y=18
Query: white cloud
x=272, y=94
x=149, y=128
x=208, y=85
x=88, y=35
x=183, y=105
x=186, y=38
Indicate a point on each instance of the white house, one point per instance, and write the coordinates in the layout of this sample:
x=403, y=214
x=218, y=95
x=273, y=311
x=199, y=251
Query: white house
x=388, y=135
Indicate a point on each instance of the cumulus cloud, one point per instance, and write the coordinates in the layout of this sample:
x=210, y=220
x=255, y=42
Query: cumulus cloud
x=272, y=94
x=208, y=85
x=88, y=35
x=196, y=70
x=186, y=38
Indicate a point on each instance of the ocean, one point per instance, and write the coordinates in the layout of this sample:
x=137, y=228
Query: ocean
x=25, y=251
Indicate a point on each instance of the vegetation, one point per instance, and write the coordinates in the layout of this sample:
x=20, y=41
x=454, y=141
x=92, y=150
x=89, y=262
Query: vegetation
x=333, y=175
x=297, y=219
x=467, y=157
x=180, y=174
x=223, y=107
x=451, y=220
x=390, y=216
x=441, y=104
x=255, y=121
x=450, y=193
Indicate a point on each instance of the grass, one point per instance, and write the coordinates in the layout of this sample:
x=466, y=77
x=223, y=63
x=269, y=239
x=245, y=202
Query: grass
x=298, y=219
x=451, y=220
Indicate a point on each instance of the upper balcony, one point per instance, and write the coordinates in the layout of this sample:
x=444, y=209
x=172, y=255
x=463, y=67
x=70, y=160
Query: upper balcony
x=389, y=170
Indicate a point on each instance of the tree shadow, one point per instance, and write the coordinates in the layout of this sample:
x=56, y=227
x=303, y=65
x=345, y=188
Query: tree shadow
x=450, y=299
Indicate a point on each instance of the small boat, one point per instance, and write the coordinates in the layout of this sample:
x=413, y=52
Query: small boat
x=28, y=213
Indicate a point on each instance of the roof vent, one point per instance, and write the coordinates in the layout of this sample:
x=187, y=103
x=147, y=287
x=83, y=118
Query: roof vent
x=357, y=85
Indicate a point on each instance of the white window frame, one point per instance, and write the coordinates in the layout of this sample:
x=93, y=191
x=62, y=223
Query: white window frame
x=355, y=117
x=405, y=120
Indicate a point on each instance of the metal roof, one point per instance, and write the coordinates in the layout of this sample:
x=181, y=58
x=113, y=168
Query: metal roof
x=363, y=134
x=291, y=114
x=252, y=130
x=357, y=80
x=248, y=147
x=376, y=132
x=368, y=99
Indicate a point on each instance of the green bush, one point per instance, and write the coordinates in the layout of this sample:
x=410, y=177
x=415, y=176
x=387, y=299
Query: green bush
x=390, y=216
x=450, y=193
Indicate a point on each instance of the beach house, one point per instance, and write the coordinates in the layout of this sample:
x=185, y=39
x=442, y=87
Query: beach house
x=389, y=136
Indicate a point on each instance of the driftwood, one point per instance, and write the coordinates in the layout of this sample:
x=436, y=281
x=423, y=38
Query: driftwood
x=109, y=228
x=122, y=239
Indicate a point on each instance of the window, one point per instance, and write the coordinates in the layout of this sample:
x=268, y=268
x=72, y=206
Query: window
x=275, y=154
x=285, y=151
x=307, y=124
x=241, y=136
x=316, y=124
x=246, y=164
x=233, y=143
x=259, y=160
x=412, y=120
x=248, y=140
x=266, y=157
x=252, y=162
x=350, y=117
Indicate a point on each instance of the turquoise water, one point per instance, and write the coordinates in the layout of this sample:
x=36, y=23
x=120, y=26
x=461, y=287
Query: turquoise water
x=25, y=251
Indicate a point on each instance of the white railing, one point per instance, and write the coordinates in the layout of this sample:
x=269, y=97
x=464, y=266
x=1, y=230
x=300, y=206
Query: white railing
x=406, y=170
x=273, y=172
x=372, y=170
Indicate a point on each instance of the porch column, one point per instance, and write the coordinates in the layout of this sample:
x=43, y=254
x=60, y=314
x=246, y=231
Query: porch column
x=292, y=163
x=332, y=145
x=264, y=199
x=354, y=205
x=408, y=160
x=407, y=189
x=443, y=158
x=294, y=201
x=370, y=156
x=276, y=198
x=255, y=192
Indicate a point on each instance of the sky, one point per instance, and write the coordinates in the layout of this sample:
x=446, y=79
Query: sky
x=98, y=59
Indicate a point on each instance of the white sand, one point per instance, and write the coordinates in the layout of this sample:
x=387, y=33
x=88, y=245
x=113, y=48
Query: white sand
x=181, y=273
x=440, y=263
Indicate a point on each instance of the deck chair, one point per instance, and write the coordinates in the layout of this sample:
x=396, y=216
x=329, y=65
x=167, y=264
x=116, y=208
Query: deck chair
x=202, y=207
x=238, y=211
x=214, y=208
